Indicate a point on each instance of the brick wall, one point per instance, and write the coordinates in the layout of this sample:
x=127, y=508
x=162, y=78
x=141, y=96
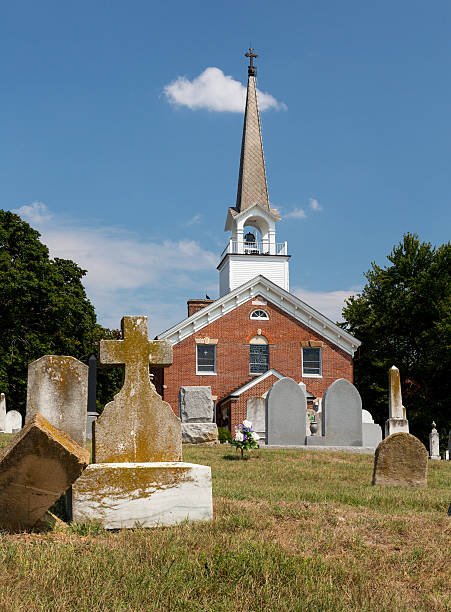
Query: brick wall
x=232, y=331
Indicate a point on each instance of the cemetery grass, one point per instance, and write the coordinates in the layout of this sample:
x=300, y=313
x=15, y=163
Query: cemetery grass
x=293, y=530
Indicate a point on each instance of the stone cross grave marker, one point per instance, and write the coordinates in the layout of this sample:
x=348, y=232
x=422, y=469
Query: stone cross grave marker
x=137, y=426
x=2, y=412
x=57, y=388
x=286, y=413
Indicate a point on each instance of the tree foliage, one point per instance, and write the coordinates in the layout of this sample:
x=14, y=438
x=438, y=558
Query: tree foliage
x=403, y=318
x=44, y=310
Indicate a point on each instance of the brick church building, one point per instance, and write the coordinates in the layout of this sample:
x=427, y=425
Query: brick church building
x=256, y=332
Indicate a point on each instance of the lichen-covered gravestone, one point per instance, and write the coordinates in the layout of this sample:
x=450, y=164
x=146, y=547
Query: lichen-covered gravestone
x=341, y=416
x=57, y=388
x=401, y=460
x=138, y=477
x=37, y=466
x=286, y=413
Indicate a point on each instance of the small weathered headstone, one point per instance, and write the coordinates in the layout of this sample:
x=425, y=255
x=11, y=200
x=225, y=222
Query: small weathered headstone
x=57, y=388
x=137, y=425
x=341, y=416
x=2, y=412
x=371, y=431
x=196, y=413
x=397, y=420
x=401, y=460
x=434, y=444
x=195, y=405
x=286, y=413
x=13, y=421
x=90, y=418
x=36, y=467
x=255, y=413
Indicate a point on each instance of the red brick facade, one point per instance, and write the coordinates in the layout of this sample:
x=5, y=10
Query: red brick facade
x=231, y=333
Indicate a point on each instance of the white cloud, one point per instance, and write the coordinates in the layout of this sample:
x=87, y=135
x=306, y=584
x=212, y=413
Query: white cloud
x=328, y=303
x=215, y=91
x=195, y=219
x=34, y=213
x=314, y=204
x=125, y=273
x=296, y=213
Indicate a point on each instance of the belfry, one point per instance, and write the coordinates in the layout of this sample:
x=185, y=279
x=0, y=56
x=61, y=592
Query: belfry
x=252, y=248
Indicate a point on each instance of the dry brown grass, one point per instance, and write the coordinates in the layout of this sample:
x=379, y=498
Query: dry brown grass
x=293, y=530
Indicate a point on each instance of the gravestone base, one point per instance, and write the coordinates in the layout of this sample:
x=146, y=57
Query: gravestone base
x=200, y=433
x=128, y=495
x=330, y=441
x=396, y=425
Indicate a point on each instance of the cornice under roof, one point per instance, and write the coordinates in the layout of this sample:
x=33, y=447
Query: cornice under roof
x=287, y=302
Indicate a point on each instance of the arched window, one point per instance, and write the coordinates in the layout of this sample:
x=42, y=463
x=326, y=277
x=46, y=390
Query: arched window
x=258, y=355
x=260, y=315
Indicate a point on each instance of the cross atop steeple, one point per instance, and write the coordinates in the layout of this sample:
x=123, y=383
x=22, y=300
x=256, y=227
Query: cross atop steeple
x=252, y=70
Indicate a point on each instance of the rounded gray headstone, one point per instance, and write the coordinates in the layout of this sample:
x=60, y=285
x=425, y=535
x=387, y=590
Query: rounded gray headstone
x=286, y=413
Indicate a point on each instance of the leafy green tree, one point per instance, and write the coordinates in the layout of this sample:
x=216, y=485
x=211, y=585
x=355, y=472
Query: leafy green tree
x=403, y=318
x=43, y=310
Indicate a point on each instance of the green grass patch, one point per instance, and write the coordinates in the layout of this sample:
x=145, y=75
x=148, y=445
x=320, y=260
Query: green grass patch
x=293, y=530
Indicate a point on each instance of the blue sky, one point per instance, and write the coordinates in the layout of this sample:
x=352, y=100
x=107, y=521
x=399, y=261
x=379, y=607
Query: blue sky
x=128, y=170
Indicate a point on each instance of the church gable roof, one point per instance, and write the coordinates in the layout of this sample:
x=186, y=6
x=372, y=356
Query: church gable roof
x=261, y=286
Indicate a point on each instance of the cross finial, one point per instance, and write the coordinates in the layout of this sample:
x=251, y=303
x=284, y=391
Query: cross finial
x=251, y=70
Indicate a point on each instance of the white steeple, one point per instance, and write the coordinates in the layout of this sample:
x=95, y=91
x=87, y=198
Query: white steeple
x=252, y=248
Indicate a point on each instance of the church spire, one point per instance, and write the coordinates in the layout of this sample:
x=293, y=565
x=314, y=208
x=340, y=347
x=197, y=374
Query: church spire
x=252, y=186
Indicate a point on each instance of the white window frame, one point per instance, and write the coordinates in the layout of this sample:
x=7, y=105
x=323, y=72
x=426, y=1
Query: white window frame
x=266, y=318
x=203, y=373
x=320, y=375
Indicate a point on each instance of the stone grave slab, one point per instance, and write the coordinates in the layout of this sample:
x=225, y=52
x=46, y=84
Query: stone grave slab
x=127, y=495
x=195, y=404
x=341, y=416
x=286, y=413
x=401, y=460
x=36, y=467
x=137, y=426
x=371, y=431
x=13, y=421
x=256, y=414
x=199, y=433
x=57, y=388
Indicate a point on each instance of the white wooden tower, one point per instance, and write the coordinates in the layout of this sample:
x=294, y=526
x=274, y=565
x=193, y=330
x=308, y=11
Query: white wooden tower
x=252, y=249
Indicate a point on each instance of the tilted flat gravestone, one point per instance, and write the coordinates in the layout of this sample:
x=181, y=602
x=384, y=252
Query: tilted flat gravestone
x=396, y=412
x=36, y=467
x=286, y=413
x=57, y=388
x=341, y=416
x=195, y=405
x=13, y=421
x=2, y=412
x=400, y=460
x=139, y=477
x=137, y=425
